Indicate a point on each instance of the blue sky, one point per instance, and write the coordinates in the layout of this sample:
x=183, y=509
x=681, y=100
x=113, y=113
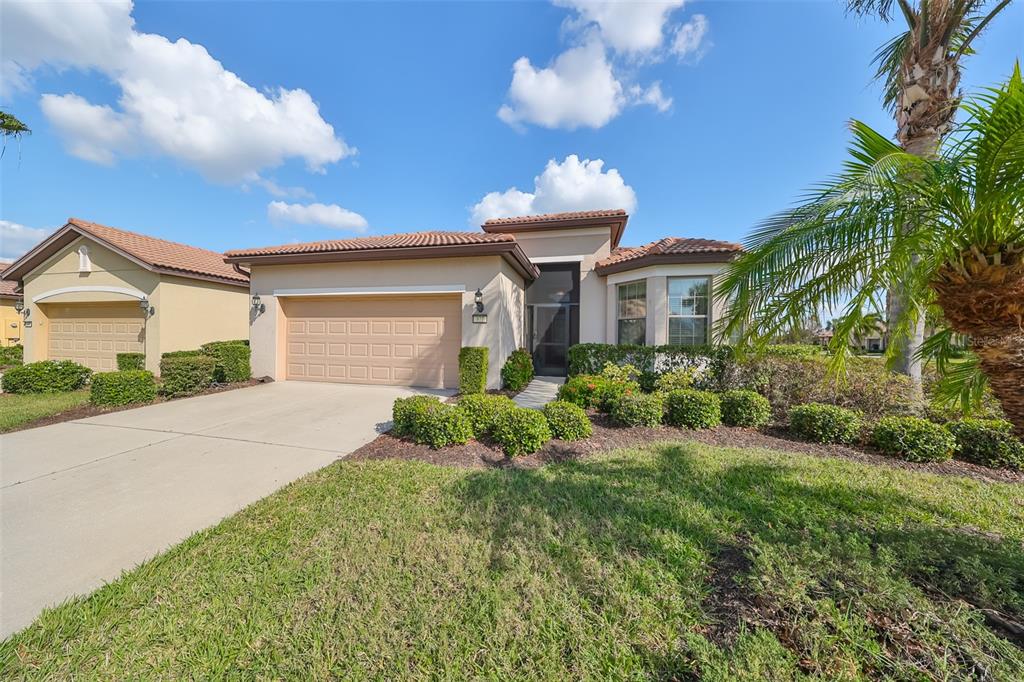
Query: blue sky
x=719, y=117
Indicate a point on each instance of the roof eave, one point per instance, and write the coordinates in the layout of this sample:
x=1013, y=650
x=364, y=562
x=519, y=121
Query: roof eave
x=616, y=223
x=667, y=259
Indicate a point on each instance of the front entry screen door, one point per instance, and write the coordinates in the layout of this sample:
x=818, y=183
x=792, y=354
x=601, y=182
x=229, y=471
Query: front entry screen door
x=552, y=317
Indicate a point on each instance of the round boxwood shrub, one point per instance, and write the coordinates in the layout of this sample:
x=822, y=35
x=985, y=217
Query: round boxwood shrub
x=521, y=431
x=405, y=412
x=517, y=371
x=989, y=442
x=482, y=409
x=46, y=376
x=184, y=373
x=745, y=408
x=567, y=420
x=441, y=425
x=823, y=423
x=127, y=361
x=913, y=439
x=122, y=388
x=693, y=409
x=637, y=409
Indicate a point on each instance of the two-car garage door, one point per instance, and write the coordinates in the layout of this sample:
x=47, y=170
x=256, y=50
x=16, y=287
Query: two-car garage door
x=399, y=341
x=92, y=334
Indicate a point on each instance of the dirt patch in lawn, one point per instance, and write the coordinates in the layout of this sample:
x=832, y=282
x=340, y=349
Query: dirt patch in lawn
x=90, y=410
x=475, y=454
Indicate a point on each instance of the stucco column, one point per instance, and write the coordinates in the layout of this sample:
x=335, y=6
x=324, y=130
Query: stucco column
x=263, y=339
x=612, y=315
x=657, y=311
x=34, y=335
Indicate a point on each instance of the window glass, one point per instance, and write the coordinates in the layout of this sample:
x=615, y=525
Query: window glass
x=688, y=301
x=632, y=313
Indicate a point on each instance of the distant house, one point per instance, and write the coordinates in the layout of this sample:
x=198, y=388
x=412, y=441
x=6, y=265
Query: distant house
x=92, y=291
x=10, y=320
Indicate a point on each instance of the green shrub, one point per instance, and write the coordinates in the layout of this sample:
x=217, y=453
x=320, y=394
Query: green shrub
x=989, y=442
x=913, y=439
x=713, y=366
x=745, y=408
x=46, y=376
x=442, y=425
x=521, y=431
x=620, y=374
x=567, y=421
x=232, y=360
x=11, y=355
x=675, y=379
x=637, y=409
x=583, y=390
x=123, y=387
x=610, y=392
x=406, y=412
x=693, y=409
x=473, y=369
x=130, y=361
x=482, y=409
x=822, y=423
x=186, y=373
x=182, y=354
x=517, y=371
x=794, y=350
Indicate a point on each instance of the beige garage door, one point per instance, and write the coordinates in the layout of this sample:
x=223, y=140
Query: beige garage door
x=410, y=341
x=93, y=334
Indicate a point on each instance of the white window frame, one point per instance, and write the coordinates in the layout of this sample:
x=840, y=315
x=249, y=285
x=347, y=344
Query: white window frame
x=618, y=310
x=670, y=316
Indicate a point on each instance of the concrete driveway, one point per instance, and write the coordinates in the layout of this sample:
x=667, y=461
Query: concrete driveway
x=82, y=501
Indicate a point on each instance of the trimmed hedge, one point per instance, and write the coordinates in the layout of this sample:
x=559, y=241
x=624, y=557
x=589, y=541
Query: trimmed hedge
x=825, y=423
x=520, y=431
x=567, y=421
x=482, y=409
x=123, y=387
x=517, y=371
x=913, y=439
x=46, y=376
x=181, y=354
x=637, y=409
x=11, y=355
x=440, y=425
x=130, y=361
x=712, y=365
x=232, y=360
x=745, y=408
x=989, y=442
x=693, y=409
x=407, y=412
x=186, y=372
x=473, y=369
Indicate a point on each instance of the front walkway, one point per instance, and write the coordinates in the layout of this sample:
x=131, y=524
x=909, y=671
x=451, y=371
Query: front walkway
x=540, y=392
x=82, y=501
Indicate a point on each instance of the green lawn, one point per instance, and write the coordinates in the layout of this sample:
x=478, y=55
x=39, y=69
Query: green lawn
x=669, y=562
x=16, y=410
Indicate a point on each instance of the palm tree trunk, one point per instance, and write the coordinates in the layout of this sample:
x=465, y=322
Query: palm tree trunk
x=1002, y=360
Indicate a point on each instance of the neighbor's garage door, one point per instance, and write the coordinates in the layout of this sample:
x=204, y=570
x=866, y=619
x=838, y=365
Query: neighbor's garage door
x=409, y=341
x=93, y=334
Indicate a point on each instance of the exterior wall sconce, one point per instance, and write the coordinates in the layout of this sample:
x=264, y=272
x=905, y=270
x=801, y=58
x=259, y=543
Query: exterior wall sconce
x=478, y=298
x=19, y=307
x=259, y=307
x=147, y=310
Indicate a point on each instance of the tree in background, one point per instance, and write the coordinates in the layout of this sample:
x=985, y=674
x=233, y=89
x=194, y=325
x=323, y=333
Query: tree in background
x=11, y=127
x=948, y=229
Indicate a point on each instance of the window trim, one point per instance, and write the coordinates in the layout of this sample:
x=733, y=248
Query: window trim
x=618, y=311
x=668, y=307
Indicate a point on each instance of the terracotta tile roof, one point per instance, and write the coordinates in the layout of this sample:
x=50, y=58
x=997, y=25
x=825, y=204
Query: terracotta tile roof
x=390, y=241
x=669, y=250
x=163, y=254
x=551, y=217
x=7, y=286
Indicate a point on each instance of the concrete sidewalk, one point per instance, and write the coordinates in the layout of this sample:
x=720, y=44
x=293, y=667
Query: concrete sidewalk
x=539, y=392
x=82, y=501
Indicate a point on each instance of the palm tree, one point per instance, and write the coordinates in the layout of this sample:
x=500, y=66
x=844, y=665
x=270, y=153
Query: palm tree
x=921, y=71
x=957, y=217
x=10, y=126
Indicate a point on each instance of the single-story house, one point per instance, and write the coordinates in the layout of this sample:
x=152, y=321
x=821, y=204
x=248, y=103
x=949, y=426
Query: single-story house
x=396, y=309
x=10, y=320
x=90, y=291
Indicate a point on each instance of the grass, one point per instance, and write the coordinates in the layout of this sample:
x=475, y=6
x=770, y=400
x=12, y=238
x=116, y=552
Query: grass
x=673, y=561
x=16, y=410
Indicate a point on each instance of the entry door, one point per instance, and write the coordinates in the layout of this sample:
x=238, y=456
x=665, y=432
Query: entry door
x=550, y=335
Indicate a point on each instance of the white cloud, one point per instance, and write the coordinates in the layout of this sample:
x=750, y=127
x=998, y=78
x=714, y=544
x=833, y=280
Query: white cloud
x=327, y=215
x=579, y=89
x=627, y=26
x=572, y=185
x=690, y=38
x=280, y=191
x=16, y=239
x=175, y=99
x=652, y=96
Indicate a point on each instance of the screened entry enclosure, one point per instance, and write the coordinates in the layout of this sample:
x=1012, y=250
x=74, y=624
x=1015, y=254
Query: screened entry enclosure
x=553, y=317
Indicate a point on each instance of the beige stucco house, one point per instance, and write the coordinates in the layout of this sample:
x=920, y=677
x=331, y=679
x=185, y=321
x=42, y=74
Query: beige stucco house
x=396, y=309
x=10, y=319
x=90, y=291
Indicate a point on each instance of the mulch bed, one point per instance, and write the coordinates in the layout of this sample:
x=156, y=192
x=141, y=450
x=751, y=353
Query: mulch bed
x=475, y=454
x=89, y=410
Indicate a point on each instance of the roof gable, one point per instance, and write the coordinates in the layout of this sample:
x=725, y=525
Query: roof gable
x=614, y=218
x=669, y=250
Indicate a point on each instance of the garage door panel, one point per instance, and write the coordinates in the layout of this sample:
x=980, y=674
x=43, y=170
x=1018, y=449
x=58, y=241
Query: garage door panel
x=412, y=341
x=93, y=334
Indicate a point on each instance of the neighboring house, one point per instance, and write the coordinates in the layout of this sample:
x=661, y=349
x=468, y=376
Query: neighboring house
x=396, y=309
x=92, y=291
x=10, y=320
